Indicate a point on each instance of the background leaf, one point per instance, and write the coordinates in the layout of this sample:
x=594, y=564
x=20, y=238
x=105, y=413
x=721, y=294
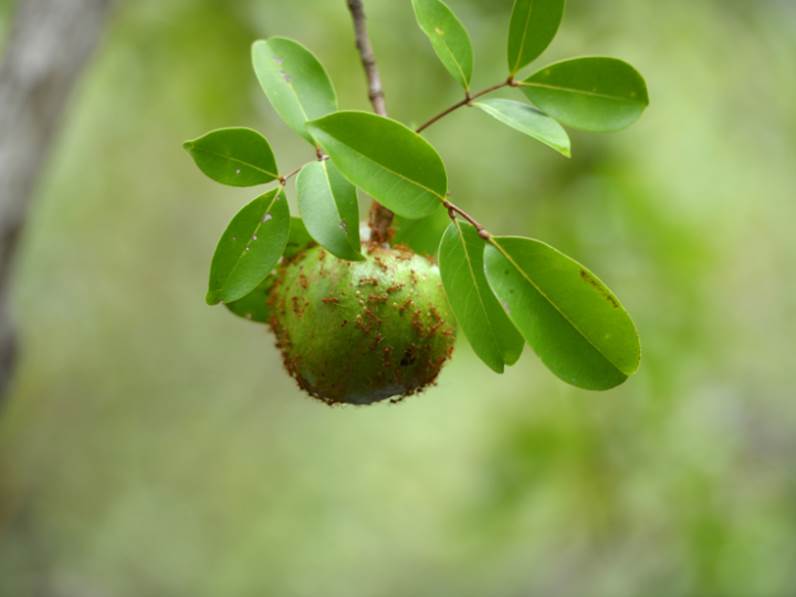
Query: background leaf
x=448, y=37
x=328, y=206
x=594, y=93
x=249, y=248
x=492, y=336
x=386, y=159
x=237, y=156
x=298, y=239
x=571, y=319
x=528, y=120
x=254, y=306
x=533, y=26
x=422, y=236
x=294, y=81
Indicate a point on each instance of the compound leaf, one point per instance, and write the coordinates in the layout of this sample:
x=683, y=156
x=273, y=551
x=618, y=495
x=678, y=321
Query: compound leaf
x=448, y=37
x=294, y=81
x=249, y=248
x=328, y=206
x=533, y=26
x=254, y=306
x=574, y=323
x=492, y=336
x=237, y=156
x=594, y=93
x=386, y=159
x=528, y=120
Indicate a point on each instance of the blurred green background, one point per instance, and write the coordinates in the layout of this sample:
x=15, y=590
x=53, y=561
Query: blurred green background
x=154, y=446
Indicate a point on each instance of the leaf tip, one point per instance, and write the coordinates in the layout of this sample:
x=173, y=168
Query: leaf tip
x=211, y=298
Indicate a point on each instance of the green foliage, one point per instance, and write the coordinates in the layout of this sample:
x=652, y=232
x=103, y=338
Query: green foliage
x=594, y=93
x=249, y=248
x=533, y=26
x=254, y=306
x=298, y=239
x=478, y=312
x=239, y=157
x=528, y=120
x=294, y=81
x=569, y=317
x=422, y=236
x=328, y=206
x=503, y=290
x=386, y=159
x=448, y=37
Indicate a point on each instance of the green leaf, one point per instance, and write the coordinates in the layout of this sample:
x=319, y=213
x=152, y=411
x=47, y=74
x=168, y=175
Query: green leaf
x=249, y=248
x=294, y=81
x=299, y=239
x=254, y=306
x=422, y=236
x=492, y=336
x=528, y=120
x=594, y=93
x=569, y=317
x=328, y=205
x=448, y=37
x=533, y=26
x=386, y=159
x=238, y=156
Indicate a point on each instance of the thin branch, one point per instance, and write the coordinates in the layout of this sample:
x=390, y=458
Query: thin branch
x=380, y=218
x=468, y=99
x=454, y=210
x=375, y=90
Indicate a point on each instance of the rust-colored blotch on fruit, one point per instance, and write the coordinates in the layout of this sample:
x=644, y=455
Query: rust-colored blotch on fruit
x=358, y=332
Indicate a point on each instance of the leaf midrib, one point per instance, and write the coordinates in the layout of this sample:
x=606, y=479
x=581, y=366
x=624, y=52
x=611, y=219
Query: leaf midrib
x=564, y=316
x=388, y=169
x=199, y=149
x=470, y=267
x=328, y=181
x=260, y=224
x=577, y=91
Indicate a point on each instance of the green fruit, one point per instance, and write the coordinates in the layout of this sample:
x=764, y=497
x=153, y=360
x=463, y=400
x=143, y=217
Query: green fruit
x=361, y=331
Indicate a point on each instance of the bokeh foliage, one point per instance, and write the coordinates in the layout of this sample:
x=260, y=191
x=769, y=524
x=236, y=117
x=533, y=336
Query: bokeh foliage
x=155, y=446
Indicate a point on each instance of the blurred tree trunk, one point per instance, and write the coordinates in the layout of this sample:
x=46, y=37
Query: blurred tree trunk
x=48, y=46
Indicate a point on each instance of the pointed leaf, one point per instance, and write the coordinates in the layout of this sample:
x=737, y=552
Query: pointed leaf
x=594, y=93
x=254, y=306
x=328, y=205
x=237, y=156
x=448, y=37
x=533, y=26
x=249, y=248
x=528, y=120
x=298, y=239
x=386, y=159
x=422, y=236
x=294, y=81
x=569, y=317
x=492, y=336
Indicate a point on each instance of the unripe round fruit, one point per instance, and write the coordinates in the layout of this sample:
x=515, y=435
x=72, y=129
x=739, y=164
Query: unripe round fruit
x=361, y=331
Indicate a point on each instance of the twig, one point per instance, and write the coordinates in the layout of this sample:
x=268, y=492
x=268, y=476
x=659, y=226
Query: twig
x=375, y=91
x=454, y=209
x=380, y=218
x=322, y=157
x=468, y=99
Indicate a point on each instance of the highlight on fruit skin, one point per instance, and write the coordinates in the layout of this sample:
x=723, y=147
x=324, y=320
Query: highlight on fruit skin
x=359, y=332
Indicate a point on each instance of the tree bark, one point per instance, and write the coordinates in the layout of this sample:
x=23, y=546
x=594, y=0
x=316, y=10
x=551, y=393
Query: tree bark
x=48, y=46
